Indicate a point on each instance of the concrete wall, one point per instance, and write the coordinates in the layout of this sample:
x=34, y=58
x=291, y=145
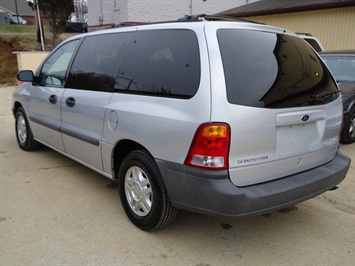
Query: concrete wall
x=29, y=60
x=117, y=11
x=335, y=27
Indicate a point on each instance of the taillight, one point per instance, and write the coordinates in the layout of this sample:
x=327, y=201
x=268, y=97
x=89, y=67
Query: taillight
x=210, y=146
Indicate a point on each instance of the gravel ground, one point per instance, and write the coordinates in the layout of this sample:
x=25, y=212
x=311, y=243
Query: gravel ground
x=54, y=211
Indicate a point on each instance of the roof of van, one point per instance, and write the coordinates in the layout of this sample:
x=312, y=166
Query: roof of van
x=189, y=18
x=193, y=19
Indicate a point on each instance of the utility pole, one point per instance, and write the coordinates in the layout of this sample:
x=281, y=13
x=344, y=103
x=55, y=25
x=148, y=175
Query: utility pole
x=40, y=34
x=17, y=12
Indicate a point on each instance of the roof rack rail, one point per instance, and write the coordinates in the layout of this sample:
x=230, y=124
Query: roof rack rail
x=127, y=24
x=190, y=18
x=229, y=18
x=304, y=33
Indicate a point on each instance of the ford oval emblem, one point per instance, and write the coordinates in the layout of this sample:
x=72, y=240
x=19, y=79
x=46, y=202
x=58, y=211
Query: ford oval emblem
x=305, y=118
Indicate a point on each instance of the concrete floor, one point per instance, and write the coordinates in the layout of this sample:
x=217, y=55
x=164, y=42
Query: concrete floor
x=54, y=211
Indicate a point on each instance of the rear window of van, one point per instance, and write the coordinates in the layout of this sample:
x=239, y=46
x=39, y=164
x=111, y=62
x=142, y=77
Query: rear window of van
x=271, y=70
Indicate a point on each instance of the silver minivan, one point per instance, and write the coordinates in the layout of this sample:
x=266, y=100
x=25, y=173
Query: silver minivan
x=220, y=117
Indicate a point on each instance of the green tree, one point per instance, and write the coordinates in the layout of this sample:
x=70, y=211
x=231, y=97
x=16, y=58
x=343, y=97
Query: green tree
x=57, y=13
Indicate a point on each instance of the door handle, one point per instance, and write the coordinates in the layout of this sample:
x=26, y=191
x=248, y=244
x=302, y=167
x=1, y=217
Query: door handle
x=70, y=102
x=53, y=99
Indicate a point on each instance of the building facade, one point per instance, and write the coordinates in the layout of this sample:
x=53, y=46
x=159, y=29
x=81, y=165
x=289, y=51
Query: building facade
x=19, y=7
x=103, y=13
x=335, y=28
x=331, y=21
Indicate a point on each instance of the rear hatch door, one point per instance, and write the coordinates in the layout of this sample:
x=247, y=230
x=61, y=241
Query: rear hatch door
x=281, y=102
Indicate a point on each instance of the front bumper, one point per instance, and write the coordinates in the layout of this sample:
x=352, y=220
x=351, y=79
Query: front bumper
x=212, y=193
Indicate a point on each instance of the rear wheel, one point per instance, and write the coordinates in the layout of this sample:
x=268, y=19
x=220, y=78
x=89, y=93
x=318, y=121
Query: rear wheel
x=142, y=192
x=23, y=132
x=348, y=132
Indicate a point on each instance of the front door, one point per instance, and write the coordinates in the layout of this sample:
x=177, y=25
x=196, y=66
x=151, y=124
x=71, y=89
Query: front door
x=46, y=96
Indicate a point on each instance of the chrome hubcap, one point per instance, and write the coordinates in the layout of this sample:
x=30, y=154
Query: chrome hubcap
x=138, y=191
x=352, y=127
x=21, y=129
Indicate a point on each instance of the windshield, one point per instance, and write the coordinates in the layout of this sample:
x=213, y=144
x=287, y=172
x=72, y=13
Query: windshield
x=271, y=70
x=342, y=67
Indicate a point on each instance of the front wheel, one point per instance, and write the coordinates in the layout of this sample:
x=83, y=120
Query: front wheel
x=348, y=131
x=142, y=192
x=23, y=132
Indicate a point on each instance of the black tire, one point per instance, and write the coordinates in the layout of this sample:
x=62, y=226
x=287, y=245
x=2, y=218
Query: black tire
x=24, y=134
x=348, y=131
x=142, y=192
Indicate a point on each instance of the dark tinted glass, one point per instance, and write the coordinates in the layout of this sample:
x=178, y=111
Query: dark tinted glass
x=96, y=63
x=273, y=70
x=161, y=63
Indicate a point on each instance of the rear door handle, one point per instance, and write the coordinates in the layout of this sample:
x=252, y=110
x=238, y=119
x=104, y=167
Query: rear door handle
x=53, y=99
x=70, y=102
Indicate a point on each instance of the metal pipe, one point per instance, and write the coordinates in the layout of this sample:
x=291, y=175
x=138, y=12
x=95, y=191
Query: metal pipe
x=39, y=23
x=18, y=21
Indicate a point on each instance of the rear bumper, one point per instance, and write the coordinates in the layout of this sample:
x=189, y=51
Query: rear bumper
x=212, y=193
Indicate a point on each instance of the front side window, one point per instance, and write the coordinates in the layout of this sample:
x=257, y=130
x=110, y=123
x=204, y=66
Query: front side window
x=54, y=69
x=271, y=70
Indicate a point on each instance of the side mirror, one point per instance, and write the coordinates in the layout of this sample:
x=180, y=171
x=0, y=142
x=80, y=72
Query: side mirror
x=25, y=75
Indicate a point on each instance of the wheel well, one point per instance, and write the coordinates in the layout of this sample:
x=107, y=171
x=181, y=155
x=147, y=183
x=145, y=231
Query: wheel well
x=16, y=106
x=351, y=105
x=121, y=150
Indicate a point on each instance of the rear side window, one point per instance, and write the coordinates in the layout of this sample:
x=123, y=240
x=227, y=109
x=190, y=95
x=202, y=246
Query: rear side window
x=273, y=70
x=96, y=63
x=161, y=63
